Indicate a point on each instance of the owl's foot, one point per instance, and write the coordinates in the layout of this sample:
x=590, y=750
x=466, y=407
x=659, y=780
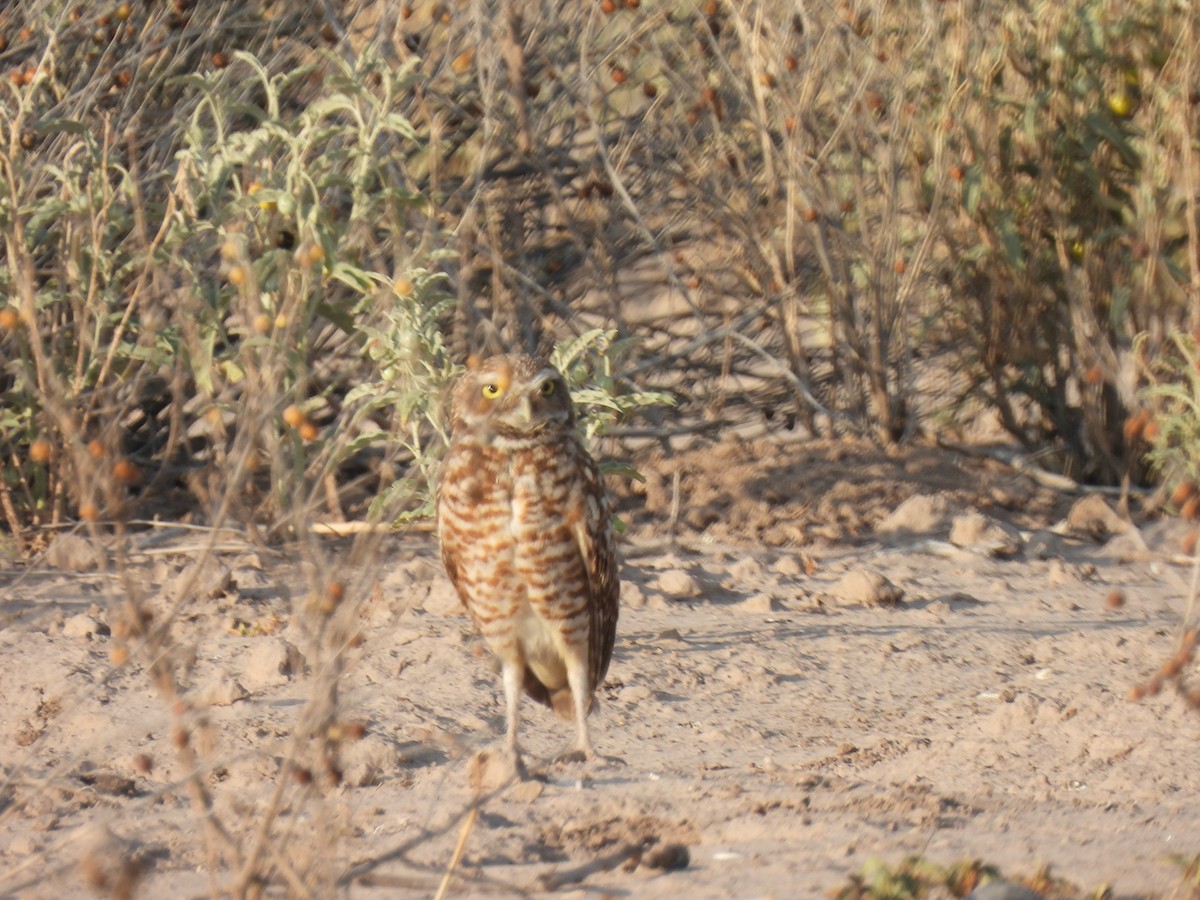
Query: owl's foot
x=573, y=756
x=589, y=756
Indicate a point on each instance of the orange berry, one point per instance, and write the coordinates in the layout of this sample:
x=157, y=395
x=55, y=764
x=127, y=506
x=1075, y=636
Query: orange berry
x=336, y=591
x=1116, y=598
x=308, y=431
x=262, y=323
x=608, y=7
x=236, y=276
x=1188, y=544
x=124, y=11
x=1191, y=509
x=1184, y=492
x=118, y=656
x=1136, y=424
x=89, y=512
x=220, y=59
x=1137, y=692
x=791, y=63
x=619, y=75
x=1094, y=375
x=39, y=451
x=900, y=267
x=294, y=417
x=462, y=63
x=9, y=319
x=1151, y=431
x=126, y=472
x=957, y=173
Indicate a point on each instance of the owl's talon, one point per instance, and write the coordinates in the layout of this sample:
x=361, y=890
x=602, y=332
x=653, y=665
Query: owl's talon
x=573, y=756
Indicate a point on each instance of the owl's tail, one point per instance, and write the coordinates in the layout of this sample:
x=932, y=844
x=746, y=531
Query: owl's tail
x=558, y=699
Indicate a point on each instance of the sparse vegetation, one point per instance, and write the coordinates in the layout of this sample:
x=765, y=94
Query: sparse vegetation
x=246, y=251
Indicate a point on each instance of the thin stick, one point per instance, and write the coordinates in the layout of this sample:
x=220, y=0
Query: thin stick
x=459, y=848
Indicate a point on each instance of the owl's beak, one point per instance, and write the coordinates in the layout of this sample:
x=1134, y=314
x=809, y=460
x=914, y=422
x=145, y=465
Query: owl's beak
x=523, y=412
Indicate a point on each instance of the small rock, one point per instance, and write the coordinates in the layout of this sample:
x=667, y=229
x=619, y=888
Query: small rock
x=108, y=862
x=369, y=760
x=866, y=588
x=224, y=690
x=248, y=561
x=920, y=514
x=1092, y=515
x=1128, y=547
x=762, y=603
x=110, y=783
x=490, y=770
x=949, y=603
x=73, y=553
x=668, y=857
x=205, y=580
x=1003, y=890
x=23, y=845
x=269, y=662
x=678, y=584
x=1044, y=545
x=788, y=566
x=526, y=791
x=84, y=627
x=746, y=570
x=632, y=596
x=981, y=534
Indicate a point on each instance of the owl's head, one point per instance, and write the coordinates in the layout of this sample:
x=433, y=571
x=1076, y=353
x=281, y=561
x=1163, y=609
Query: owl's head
x=512, y=396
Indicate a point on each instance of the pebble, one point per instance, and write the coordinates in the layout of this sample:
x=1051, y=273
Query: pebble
x=920, y=514
x=760, y=603
x=73, y=553
x=981, y=534
x=270, y=661
x=866, y=588
x=678, y=584
x=84, y=627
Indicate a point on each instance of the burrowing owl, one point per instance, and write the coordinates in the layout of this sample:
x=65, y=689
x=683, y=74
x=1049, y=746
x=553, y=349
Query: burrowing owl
x=523, y=520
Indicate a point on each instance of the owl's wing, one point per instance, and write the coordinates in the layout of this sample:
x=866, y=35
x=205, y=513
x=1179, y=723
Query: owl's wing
x=598, y=548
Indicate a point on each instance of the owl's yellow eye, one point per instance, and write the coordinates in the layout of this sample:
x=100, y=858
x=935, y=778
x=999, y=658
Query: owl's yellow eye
x=548, y=389
x=492, y=391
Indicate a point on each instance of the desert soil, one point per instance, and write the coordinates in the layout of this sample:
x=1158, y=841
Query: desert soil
x=808, y=675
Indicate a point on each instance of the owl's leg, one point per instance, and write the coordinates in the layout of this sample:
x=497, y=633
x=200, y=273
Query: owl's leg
x=577, y=678
x=513, y=674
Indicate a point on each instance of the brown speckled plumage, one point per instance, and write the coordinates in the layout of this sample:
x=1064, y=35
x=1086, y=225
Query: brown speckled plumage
x=523, y=520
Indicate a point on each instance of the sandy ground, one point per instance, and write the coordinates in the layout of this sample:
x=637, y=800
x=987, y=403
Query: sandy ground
x=781, y=721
